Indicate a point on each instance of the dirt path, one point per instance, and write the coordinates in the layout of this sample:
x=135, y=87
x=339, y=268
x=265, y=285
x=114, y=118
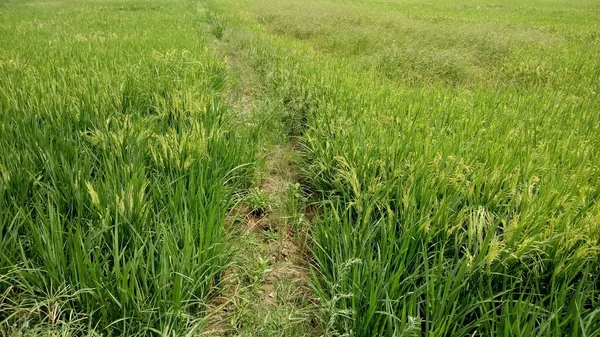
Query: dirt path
x=265, y=291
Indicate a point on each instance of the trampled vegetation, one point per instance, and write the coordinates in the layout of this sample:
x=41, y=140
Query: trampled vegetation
x=449, y=154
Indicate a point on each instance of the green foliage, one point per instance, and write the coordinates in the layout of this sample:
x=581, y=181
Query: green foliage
x=455, y=149
x=217, y=24
x=295, y=204
x=119, y=164
x=258, y=201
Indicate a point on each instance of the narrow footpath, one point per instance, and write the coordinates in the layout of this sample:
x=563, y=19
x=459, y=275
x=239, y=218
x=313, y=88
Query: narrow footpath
x=266, y=290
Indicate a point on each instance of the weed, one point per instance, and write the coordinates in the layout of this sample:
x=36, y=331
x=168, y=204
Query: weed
x=258, y=201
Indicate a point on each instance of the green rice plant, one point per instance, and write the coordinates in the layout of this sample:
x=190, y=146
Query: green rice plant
x=217, y=25
x=466, y=186
x=295, y=205
x=119, y=165
x=453, y=150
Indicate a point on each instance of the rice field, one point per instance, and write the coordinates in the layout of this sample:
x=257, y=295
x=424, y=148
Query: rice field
x=119, y=164
x=440, y=176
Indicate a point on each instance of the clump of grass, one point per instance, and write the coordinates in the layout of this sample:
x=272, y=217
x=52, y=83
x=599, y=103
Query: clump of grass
x=258, y=201
x=217, y=24
x=38, y=313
